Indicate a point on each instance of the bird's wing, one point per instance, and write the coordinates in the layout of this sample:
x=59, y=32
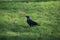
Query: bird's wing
x=33, y=22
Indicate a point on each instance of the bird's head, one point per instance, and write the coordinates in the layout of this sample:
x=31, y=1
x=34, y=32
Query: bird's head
x=27, y=17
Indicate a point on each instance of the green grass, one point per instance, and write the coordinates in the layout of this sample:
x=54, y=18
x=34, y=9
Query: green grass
x=47, y=14
x=30, y=0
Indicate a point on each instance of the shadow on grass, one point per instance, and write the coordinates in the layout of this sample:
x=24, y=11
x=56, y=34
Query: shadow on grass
x=28, y=1
x=49, y=38
x=28, y=38
x=15, y=38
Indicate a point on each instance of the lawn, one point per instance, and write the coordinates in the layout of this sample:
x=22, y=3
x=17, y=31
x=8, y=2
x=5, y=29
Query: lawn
x=47, y=14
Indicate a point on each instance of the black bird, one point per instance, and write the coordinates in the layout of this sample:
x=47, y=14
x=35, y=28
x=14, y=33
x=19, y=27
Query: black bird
x=30, y=22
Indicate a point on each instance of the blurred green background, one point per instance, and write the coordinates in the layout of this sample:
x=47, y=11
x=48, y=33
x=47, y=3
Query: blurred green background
x=44, y=12
x=30, y=0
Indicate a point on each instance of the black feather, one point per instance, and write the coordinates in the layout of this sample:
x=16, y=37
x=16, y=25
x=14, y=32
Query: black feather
x=30, y=22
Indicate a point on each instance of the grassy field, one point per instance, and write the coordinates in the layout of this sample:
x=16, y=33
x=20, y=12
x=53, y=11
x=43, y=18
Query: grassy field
x=47, y=14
